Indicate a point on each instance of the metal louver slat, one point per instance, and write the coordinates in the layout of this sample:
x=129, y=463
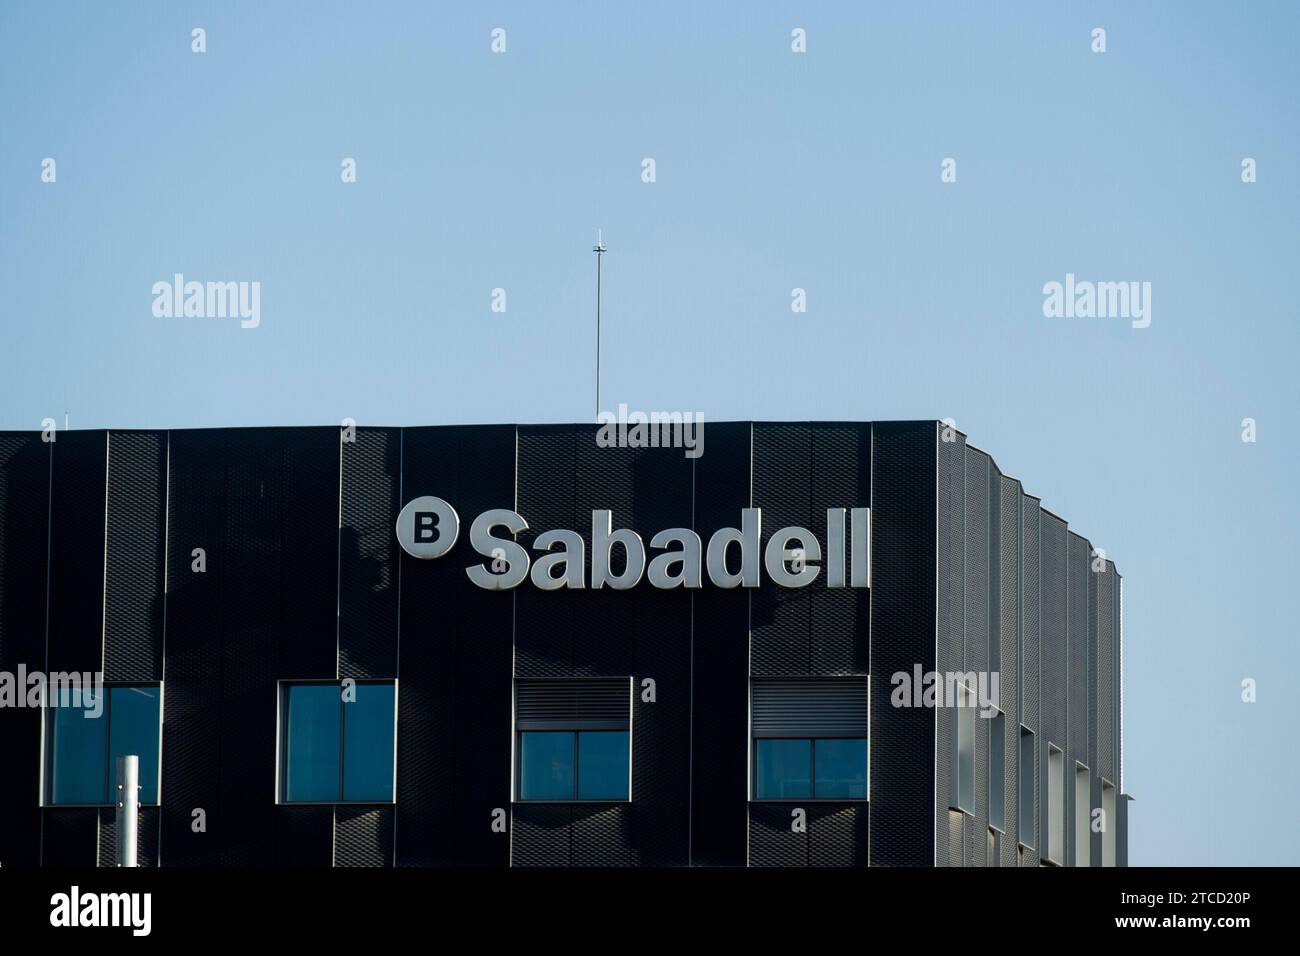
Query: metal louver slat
x=577, y=703
x=810, y=708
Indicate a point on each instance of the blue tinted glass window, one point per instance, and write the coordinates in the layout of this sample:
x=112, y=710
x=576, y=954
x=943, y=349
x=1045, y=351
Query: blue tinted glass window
x=311, y=743
x=841, y=769
x=368, y=743
x=782, y=768
x=546, y=765
x=78, y=760
x=133, y=729
x=602, y=765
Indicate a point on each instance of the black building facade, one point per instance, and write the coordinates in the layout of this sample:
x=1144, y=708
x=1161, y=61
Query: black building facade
x=303, y=579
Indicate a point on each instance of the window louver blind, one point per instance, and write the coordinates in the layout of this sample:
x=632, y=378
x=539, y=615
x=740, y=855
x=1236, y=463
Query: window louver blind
x=601, y=703
x=810, y=708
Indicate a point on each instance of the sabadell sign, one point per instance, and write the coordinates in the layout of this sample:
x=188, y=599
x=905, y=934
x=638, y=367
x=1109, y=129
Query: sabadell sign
x=429, y=527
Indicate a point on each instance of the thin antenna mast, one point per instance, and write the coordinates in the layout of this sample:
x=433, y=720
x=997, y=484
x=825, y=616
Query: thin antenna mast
x=599, y=250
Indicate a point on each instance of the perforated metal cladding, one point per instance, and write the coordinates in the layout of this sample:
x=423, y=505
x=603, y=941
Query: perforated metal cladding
x=367, y=549
x=70, y=835
x=902, y=634
x=841, y=617
x=455, y=692
x=133, y=577
x=772, y=839
x=1054, y=643
x=950, y=625
x=978, y=481
x=250, y=643
x=192, y=675
x=304, y=835
x=76, y=581
x=309, y=582
x=363, y=836
x=1079, y=574
x=1106, y=668
x=837, y=835
x=568, y=699
x=542, y=835
x=1009, y=529
x=1030, y=582
x=24, y=522
x=720, y=653
x=146, y=847
x=573, y=835
x=809, y=707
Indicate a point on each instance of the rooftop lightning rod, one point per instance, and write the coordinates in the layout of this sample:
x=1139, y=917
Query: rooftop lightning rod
x=599, y=250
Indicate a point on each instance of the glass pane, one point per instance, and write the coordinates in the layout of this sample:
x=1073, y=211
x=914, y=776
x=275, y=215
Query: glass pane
x=602, y=765
x=1025, y=772
x=546, y=765
x=311, y=743
x=368, y=743
x=841, y=769
x=966, y=748
x=133, y=729
x=782, y=768
x=78, y=748
x=997, y=768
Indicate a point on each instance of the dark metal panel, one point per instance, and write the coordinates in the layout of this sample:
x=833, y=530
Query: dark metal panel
x=658, y=625
x=1077, y=676
x=902, y=634
x=363, y=836
x=720, y=682
x=545, y=621
x=191, y=750
x=1030, y=674
x=304, y=835
x=135, y=552
x=542, y=835
x=781, y=625
x=76, y=609
x=368, y=567
x=24, y=530
x=602, y=835
x=70, y=835
x=950, y=622
x=837, y=835
x=250, y=641
x=841, y=617
x=772, y=838
x=454, y=691
x=309, y=605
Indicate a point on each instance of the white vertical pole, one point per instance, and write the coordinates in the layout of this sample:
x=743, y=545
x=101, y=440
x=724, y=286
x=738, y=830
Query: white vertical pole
x=128, y=808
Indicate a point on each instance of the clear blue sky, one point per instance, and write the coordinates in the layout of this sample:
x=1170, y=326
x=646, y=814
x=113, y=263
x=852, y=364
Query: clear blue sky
x=775, y=171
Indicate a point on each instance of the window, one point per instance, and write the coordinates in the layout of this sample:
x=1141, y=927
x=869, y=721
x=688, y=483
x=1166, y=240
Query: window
x=1055, y=849
x=337, y=742
x=87, y=731
x=961, y=750
x=1026, y=773
x=826, y=769
x=573, y=765
x=1082, y=816
x=810, y=739
x=997, y=773
x=574, y=739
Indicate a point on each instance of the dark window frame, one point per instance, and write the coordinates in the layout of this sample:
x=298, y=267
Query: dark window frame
x=282, y=782
x=110, y=771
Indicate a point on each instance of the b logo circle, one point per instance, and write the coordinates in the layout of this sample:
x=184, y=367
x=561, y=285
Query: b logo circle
x=427, y=527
